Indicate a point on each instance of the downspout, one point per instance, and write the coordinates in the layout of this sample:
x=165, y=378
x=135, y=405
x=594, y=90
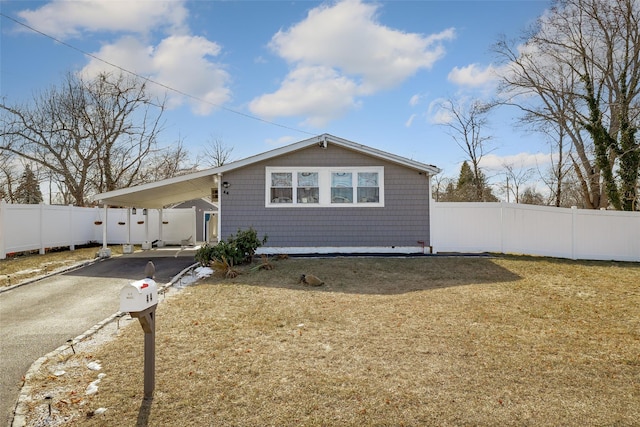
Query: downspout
x=430, y=217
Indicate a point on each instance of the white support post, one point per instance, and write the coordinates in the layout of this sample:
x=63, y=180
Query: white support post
x=193, y=226
x=105, y=252
x=160, y=228
x=104, y=228
x=146, y=228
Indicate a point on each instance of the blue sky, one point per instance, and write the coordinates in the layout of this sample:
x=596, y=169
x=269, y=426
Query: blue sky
x=261, y=74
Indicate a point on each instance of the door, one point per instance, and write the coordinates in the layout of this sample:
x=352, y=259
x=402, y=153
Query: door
x=210, y=226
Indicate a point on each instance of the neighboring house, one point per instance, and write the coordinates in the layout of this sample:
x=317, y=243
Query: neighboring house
x=206, y=218
x=321, y=195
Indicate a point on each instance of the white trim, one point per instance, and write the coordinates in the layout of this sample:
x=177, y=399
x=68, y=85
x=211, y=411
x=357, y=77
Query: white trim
x=186, y=187
x=324, y=250
x=324, y=185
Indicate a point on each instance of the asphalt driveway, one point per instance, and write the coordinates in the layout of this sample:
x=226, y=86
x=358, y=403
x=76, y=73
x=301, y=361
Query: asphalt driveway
x=37, y=318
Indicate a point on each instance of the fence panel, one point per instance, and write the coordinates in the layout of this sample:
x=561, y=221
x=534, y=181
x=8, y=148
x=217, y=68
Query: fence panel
x=535, y=230
x=466, y=227
x=38, y=227
x=607, y=235
x=21, y=228
x=455, y=227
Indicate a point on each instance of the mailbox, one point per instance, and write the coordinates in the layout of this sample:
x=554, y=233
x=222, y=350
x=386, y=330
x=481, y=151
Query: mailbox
x=138, y=296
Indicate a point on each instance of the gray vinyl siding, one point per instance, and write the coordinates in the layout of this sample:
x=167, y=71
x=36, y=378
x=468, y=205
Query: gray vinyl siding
x=403, y=221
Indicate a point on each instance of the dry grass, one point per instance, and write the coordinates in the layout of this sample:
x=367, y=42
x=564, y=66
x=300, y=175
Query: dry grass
x=387, y=342
x=21, y=267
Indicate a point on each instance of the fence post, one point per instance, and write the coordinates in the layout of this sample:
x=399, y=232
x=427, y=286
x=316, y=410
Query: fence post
x=41, y=209
x=502, y=203
x=574, y=213
x=3, y=254
x=72, y=243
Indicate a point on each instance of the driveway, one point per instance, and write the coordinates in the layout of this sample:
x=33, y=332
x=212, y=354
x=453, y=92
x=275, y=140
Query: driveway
x=37, y=318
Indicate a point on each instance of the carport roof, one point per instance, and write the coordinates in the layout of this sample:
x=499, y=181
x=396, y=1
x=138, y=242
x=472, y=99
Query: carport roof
x=198, y=184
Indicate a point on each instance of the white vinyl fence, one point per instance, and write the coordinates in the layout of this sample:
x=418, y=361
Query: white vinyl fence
x=535, y=230
x=38, y=227
x=455, y=227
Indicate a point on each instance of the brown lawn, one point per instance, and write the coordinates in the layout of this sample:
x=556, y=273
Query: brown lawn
x=385, y=342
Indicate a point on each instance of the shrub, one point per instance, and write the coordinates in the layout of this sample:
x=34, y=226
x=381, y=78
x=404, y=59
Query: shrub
x=236, y=250
x=224, y=267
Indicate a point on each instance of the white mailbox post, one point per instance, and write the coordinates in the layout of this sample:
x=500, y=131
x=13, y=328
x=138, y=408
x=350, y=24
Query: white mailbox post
x=140, y=299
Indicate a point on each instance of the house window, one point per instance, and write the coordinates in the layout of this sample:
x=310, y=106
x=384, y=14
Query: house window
x=368, y=187
x=323, y=186
x=341, y=187
x=307, y=188
x=282, y=187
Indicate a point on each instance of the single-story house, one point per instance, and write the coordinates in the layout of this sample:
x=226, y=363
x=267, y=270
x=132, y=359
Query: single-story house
x=321, y=195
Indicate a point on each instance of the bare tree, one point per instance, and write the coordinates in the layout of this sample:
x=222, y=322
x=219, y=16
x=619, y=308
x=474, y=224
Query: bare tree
x=166, y=163
x=93, y=135
x=560, y=164
x=466, y=124
x=8, y=176
x=581, y=63
x=516, y=178
x=439, y=184
x=216, y=152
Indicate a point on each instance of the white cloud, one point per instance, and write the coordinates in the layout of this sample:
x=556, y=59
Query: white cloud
x=518, y=161
x=283, y=140
x=410, y=120
x=363, y=56
x=318, y=93
x=64, y=18
x=436, y=114
x=473, y=75
x=178, y=62
x=415, y=100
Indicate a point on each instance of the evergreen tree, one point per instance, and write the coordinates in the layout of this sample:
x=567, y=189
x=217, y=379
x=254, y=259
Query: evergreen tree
x=28, y=191
x=468, y=185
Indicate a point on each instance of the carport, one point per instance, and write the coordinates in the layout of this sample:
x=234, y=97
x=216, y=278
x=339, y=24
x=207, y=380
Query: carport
x=158, y=195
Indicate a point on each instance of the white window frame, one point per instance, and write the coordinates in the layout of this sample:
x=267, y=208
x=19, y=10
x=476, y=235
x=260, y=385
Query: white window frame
x=324, y=183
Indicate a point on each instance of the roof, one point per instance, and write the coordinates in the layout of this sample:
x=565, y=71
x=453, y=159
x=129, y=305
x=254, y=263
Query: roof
x=198, y=184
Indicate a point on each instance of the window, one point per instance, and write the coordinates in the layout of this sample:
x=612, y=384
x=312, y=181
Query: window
x=323, y=186
x=281, y=187
x=368, y=188
x=308, y=190
x=341, y=187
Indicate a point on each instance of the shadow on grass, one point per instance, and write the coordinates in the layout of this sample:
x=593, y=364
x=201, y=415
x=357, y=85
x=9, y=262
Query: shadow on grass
x=144, y=413
x=377, y=275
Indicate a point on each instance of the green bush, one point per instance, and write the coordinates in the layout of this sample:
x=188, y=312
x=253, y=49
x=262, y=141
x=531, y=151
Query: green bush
x=237, y=249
